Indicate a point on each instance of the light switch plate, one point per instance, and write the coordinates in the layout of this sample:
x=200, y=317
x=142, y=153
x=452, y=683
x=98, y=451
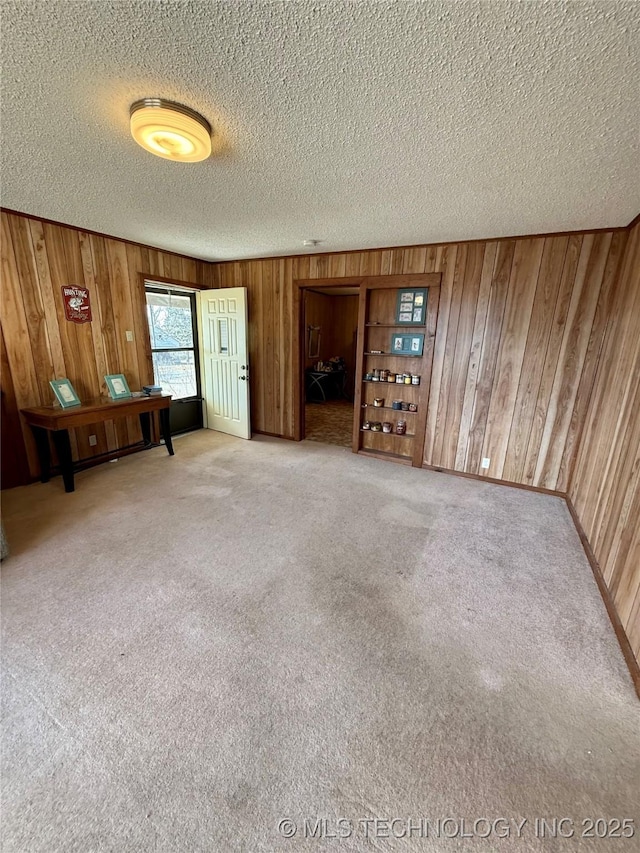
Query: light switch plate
x=129, y=335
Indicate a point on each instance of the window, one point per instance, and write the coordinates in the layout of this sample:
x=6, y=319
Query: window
x=174, y=344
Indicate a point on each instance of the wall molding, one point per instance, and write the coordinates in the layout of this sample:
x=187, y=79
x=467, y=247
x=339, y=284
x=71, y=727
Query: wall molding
x=527, y=488
x=543, y=234
x=106, y=236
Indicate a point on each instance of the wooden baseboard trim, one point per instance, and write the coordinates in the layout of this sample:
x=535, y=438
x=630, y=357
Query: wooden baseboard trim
x=386, y=457
x=274, y=435
x=621, y=636
x=493, y=480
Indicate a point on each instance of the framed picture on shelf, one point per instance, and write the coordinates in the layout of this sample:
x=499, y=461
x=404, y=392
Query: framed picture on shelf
x=117, y=385
x=65, y=393
x=412, y=345
x=412, y=307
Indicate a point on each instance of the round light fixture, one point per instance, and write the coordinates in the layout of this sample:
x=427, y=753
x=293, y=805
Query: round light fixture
x=170, y=130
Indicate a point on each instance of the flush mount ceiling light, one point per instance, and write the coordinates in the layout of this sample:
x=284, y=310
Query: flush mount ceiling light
x=170, y=130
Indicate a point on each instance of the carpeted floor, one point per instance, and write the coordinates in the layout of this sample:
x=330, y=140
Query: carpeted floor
x=198, y=647
x=329, y=423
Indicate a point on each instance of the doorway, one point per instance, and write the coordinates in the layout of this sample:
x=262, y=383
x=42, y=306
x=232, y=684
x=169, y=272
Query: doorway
x=328, y=363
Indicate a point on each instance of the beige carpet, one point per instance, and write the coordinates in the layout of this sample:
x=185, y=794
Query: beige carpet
x=198, y=647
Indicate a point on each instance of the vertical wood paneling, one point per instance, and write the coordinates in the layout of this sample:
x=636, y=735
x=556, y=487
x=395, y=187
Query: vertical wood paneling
x=43, y=277
x=38, y=258
x=531, y=372
x=15, y=327
x=489, y=353
x=435, y=406
x=440, y=444
x=462, y=353
x=584, y=299
x=605, y=483
x=556, y=334
x=520, y=323
x=475, y=352
x=522, y=286
x=591, y=358
x=33, y=305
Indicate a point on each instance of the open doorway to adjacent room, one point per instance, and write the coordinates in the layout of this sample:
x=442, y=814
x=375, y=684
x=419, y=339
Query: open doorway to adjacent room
x=329, y=339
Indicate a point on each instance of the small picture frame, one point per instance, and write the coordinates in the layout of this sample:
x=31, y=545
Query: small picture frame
x=117, y=385
x=65, y=393
x=411, y=345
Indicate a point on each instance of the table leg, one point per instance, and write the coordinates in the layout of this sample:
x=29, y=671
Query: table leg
x=44, y=452
x=145, y=426
x=166, y=429
x=316, y=387
x=63, y=448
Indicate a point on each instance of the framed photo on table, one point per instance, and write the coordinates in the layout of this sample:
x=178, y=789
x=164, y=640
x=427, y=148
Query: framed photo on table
x=65, y=393
x=117, y=385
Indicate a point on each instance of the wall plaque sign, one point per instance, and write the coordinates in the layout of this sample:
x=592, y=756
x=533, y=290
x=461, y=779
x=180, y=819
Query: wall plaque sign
x=77, y=304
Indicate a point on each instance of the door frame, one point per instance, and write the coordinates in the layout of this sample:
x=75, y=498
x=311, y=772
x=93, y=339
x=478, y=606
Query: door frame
x=301, y=285
x=365, y=283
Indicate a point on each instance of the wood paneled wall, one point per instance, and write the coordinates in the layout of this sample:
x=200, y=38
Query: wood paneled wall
x=317, y=312
x=605, y=486
x=37, y=259
x=520, y=327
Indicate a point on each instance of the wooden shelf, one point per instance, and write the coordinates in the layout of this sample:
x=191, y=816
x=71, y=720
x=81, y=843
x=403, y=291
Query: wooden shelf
x=379, y=300
x=371, y=407
x=393, y=354
x=395, y=325
x=391, y=384
x=380, y=432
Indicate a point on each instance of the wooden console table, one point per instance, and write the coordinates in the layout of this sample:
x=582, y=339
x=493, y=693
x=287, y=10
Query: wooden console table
x=58, y=421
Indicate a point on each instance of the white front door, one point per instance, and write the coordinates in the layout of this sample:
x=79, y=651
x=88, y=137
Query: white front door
x=224, y=359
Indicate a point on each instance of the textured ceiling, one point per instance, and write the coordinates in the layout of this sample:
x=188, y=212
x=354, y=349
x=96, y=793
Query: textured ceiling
x=359, y=124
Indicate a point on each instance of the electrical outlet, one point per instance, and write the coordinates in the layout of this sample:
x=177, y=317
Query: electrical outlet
x=129, y=336
x=93, y=440
x=485, y=462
